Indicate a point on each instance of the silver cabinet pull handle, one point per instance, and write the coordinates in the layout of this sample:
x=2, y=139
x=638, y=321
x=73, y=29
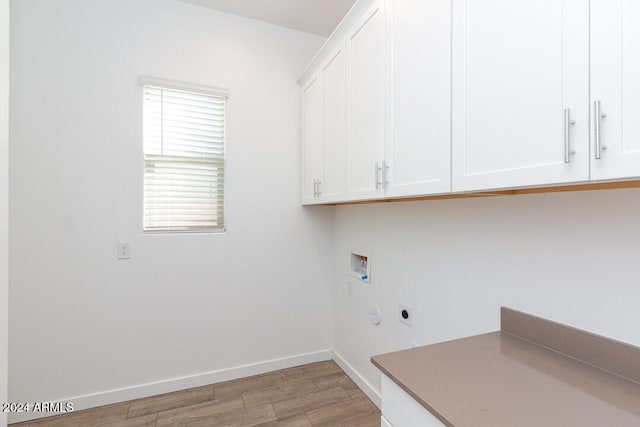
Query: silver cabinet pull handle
x=319, y=187
x=598, y=115
x=385, y=174
x=378, y=182
x=315, y=188
x=567, y=135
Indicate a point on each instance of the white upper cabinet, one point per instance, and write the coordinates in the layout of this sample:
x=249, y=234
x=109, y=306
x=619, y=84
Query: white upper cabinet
x=520, y=78
x=324, y=131
x=334, y=121
x=615, y=89
x=311, y=139
x=366, y=101
x=421, y=97
x=418, y=149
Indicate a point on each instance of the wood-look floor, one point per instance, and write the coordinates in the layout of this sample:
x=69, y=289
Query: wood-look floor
x=319, y=394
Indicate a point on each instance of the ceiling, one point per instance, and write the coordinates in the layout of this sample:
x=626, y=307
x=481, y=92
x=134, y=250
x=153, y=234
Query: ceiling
x=312, y=16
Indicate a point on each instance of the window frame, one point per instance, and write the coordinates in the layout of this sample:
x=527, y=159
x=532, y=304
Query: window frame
x=198, y=89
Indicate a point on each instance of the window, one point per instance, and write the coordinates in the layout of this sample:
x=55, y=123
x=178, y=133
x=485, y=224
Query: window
x=184, y=157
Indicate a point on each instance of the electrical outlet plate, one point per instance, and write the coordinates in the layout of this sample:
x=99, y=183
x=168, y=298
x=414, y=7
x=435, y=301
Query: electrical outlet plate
x=124, y=250
x=409, y=314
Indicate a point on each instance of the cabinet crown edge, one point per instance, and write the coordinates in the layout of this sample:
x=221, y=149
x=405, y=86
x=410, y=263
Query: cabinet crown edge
x=336, y=37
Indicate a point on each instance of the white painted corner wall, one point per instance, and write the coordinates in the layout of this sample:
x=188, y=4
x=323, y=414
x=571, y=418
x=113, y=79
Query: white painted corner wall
x=4, y=202
x=568, y=257
x=185, y=308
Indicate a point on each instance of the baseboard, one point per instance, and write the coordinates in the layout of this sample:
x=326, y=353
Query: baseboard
x=110, y=397
x=360, y=381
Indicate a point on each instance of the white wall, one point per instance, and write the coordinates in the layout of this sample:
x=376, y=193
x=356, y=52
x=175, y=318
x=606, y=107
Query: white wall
x=4, y=199
x=569, y=257
x=82, y=322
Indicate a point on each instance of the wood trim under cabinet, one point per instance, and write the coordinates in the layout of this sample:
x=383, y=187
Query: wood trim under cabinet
x=555, y=189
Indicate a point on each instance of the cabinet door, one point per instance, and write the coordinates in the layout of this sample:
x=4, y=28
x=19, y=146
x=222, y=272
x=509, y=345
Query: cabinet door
x=401, y=410
x=334, y=114
x=419, y=147
x=517, y=66
x=312, y=138
x=615, y=85
x=366, y=68
x=384, y=422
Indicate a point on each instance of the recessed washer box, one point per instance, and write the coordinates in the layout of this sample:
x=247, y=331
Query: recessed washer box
x=361, y=266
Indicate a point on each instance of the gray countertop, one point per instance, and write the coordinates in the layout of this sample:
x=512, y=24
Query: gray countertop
x=499, y=379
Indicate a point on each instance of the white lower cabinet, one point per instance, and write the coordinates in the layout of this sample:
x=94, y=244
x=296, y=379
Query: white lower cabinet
x=401, y=410
x=384, y=422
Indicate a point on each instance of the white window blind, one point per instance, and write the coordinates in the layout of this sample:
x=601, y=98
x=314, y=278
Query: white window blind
x=184, y=161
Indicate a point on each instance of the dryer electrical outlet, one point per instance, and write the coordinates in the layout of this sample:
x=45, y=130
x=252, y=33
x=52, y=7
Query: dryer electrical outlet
x=405, y=314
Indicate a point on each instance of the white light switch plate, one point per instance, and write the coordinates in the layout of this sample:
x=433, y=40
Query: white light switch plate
x=124, y=250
